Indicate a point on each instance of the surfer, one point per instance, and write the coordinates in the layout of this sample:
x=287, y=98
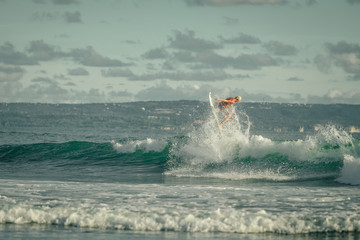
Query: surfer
x=224, y=104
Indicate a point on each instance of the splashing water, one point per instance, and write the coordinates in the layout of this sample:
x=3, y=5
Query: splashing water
x=235, y=154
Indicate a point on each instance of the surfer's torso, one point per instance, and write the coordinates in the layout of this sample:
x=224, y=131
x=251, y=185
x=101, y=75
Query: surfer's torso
x=227, y=104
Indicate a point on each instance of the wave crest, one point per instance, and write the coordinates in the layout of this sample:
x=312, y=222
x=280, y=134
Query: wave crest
x=147, y=145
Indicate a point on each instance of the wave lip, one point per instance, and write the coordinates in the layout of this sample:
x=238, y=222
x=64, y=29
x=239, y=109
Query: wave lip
x=147, y=145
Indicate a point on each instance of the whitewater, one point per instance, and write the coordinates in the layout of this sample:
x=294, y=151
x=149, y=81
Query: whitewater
x=82, y=172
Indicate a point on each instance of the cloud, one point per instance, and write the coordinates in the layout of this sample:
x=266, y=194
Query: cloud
x=197, y=75
x=241, y=39
x=295, y=79
x=184, y=56
x=42, y=51
x=243, y=61
x=73, y=17
x=188, y=41
x=9, y=91
x=42, y=80
x=280, y=49
x=61, y=77
x=163, y=91
x=118, y=95
x=354, y=77
x=88, y=57
x=78, y=72
x=157, y=53
x=311, y=2
x=68, y=17
x=196, y=53
x=231, y=21
x=345, y=56
x=64, y=2
x=342, y=47
x=336, y=96
x=48, y=91
x=51, y=92
x=117, y=72
x=45, y=16
x=222, y=3
x=10, y=74
x=323, y=63
x=8, y=55
x=70, y=84
x=214, y=75
x=40, y=92
x=56, y=2
x=353, y=1
x=39, y=1
x=62, y=35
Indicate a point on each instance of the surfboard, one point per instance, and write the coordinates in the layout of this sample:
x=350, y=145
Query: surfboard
x=213, y=109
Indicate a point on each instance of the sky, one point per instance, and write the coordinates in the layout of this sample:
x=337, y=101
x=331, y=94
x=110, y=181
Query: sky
x=86, y=51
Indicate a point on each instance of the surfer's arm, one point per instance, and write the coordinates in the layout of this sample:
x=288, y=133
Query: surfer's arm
x=222, y=100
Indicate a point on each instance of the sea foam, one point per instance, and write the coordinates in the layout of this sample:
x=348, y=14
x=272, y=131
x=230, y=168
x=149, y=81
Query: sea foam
x=350, y=173
x=180, y=208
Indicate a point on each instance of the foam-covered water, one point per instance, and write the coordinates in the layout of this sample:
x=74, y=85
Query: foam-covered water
x=202, y=181
x=187, y=208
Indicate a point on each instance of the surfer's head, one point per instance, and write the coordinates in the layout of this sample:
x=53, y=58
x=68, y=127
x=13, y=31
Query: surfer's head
x=238, y=98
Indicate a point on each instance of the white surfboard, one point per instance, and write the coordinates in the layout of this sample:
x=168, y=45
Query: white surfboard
x=213, y=109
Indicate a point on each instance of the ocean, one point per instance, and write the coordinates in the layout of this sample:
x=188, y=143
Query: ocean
x=163, y=170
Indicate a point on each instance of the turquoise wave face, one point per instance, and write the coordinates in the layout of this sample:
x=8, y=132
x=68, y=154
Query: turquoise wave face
x=231, y=155
x=81, y=161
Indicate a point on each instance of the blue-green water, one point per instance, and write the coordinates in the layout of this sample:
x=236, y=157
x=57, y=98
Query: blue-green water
x=163, y=170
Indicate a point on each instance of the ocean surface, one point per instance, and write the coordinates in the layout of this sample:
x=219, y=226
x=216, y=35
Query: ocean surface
x=163, y=170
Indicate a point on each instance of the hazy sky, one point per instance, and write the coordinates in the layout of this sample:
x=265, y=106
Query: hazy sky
x=80, y=51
